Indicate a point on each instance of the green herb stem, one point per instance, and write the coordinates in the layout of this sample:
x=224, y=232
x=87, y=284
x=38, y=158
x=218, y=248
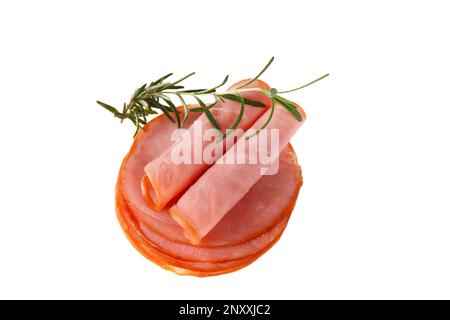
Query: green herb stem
x=156, y=95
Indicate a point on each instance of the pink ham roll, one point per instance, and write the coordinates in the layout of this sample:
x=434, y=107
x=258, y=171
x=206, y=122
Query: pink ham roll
x=164, y=179
x=221, y=187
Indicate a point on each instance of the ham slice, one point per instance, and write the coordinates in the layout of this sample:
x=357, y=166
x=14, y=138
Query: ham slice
x=217, y=191
x=165, y=179
x=228, y=251
x=136, y=236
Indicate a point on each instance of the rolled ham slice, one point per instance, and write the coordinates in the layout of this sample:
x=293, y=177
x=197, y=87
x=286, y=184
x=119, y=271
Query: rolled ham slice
x=221, y=187
x=164, y=179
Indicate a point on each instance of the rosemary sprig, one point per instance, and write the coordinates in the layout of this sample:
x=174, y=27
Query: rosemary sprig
x=156, y=95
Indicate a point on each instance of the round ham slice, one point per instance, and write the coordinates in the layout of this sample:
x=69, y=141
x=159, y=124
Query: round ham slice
x=148, y=249
x=282, y=187
x=188, y=252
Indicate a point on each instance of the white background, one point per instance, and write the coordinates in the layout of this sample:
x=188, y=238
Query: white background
x=373, y=217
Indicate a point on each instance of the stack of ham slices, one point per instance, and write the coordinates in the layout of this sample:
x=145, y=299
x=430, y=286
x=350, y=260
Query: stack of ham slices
x=208, y=218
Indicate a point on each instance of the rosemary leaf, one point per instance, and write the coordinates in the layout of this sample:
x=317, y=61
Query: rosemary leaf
x=161, y=79
x=288, y=105
x=108, y=107
x=185, y=108
x=192, y=90
x=208, y=113
x=151, y=104
x=184, y=78
x=237, y=98
x=167, y=114
x=147, y=109
x=306, y=85
x=138, y=126
x=241, y=114
x=213, y=89
x=259, y=74
x=171, y=107
x=155, y=104
x=150, y=111
x=124, y=112
x=212, y=105
x=174, y=87
x=174, y=109
x=141, y=111
x=159, y=87
x=139, y=91
x=238, y=119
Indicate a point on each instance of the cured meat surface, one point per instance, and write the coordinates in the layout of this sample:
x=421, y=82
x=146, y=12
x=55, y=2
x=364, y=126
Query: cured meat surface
x=189, y=252
x=149, y=143
x=223, y=185
x=165, y=179
x=130, y=225
x=246, y=232
x=260, y=213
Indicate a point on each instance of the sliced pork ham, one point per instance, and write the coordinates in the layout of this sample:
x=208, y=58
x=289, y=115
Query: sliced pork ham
x=250, y=228
x=220, y=188
x=224, y=254
x=251, y=225
x=137, y=237
x=164, y=179
x=247, y=220
x=149, y=143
